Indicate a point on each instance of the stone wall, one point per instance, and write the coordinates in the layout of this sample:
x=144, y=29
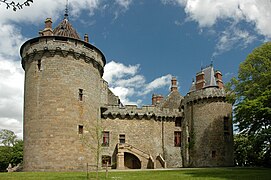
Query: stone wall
x=52, y=107
x=146, y=135
x=204, y=126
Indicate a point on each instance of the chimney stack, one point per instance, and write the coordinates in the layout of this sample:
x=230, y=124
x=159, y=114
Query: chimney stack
x=200, y=82
x=218, y=77
x=86, y=38
x=174, y=86
x=48, y=31
x=156, y=99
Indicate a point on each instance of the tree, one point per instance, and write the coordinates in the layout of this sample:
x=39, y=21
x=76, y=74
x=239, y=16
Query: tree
x=11, y=151
x=92, y=140
x=15, y=6
x=253, y=101
x=7, y=137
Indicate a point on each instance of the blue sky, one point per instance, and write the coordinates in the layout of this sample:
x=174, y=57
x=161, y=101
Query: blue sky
x=145, y=42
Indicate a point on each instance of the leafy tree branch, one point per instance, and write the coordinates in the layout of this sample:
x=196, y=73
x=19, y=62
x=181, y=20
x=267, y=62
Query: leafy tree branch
x=16, y=5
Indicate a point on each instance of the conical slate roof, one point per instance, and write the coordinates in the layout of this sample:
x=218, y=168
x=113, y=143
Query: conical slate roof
x=209, y=76
x=65, y=29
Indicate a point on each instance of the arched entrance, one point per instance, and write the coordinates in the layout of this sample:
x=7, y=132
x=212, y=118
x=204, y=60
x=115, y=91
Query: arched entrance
x=131, y=161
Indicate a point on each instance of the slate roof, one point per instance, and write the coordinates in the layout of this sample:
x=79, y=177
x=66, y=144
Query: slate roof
x=209, y=76
x=65, y=29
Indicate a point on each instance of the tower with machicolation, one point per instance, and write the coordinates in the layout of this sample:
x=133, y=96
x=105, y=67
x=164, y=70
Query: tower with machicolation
x=66, y=99
x=62, y=93
x=207, y=133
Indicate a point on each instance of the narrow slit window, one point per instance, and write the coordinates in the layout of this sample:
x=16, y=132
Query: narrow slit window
x=39, y=64
x=226, y=124
x=80, y=94
x=122, y=138
x=80, y=129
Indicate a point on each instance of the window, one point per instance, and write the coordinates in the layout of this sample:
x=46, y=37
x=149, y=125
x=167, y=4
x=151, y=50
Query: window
x=80, y=129
x=106, y=161
x=80, y=94
x=39, y=64
x=178, y=122
x=213, y=154
x=177, y=138
x=122, y=138
x=226, y=137
x=226, y=129
x=226, y=124
x=105, y=138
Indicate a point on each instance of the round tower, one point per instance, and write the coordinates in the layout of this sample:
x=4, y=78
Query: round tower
x=208, y=133
x=61, y=98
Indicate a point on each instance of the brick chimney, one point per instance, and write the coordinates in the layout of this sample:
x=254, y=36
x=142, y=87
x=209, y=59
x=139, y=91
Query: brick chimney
x=48, y=31
x=218, y=77
x=86, y=38
x=156, y=99
x=174, y=86
x=200, y=82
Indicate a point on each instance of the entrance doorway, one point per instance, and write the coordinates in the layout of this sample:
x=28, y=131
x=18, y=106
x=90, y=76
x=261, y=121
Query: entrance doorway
x=131, y=161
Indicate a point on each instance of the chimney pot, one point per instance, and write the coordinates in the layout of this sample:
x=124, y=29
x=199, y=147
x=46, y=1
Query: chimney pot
x=86, y=38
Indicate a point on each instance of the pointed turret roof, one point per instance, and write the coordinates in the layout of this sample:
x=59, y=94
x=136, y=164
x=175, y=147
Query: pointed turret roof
x=209, y=76
x=65, y=29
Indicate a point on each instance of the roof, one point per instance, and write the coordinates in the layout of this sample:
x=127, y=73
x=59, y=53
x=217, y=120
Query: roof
x=65, y=29
x=209, y=76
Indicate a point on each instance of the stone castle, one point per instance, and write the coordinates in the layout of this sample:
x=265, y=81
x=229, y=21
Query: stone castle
x=71, y=117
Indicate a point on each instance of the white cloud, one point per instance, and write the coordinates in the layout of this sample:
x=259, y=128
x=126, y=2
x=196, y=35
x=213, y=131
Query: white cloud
x=160, y=82
x=11, y=97
x=207, y=13
x=114, y=70
x=11, y=40
x=135, y=81
x=127, y=82
x=124, y=3
x=124, y=94
x=231, y=37
x=11, y=73
x=39, y=10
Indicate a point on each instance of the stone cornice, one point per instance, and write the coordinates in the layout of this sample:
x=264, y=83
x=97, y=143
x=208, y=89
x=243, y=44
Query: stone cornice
x=145, y=112
x=210, y=93
x=36, y=48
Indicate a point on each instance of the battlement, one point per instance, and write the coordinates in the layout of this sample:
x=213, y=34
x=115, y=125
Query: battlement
x=206, y=93
x=144, y=112
x=37, y=47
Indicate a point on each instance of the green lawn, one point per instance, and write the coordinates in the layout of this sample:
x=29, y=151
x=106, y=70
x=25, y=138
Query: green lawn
x=198, y=173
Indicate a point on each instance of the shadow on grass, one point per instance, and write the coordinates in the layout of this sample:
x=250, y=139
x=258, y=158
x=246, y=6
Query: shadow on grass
x=230, y=173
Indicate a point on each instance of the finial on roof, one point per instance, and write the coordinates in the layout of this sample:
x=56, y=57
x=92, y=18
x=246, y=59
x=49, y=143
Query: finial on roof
x=66, y=10
x=212, y=61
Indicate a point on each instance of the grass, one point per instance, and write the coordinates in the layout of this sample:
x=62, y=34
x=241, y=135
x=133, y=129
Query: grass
x=197, y=173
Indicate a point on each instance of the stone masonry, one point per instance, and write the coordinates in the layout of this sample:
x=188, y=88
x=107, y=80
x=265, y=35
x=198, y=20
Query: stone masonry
x=67, y=100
